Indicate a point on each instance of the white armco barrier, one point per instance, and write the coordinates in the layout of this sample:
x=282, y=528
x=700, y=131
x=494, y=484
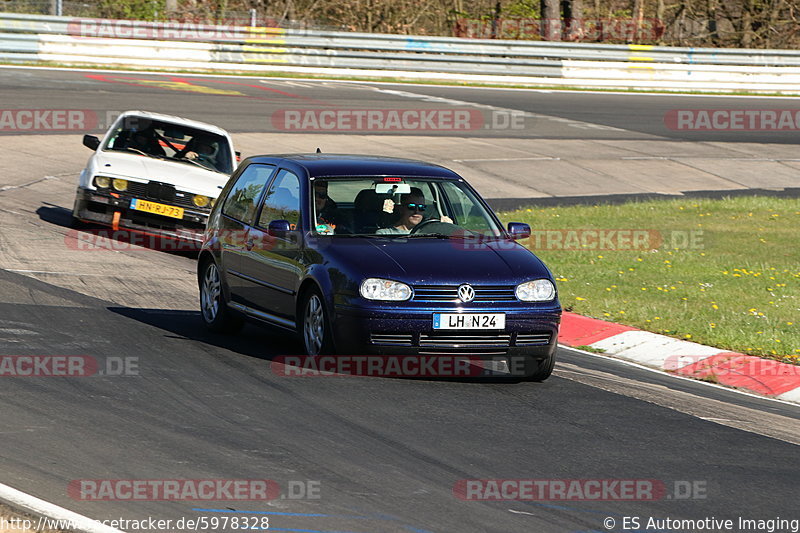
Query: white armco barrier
x=75, y=41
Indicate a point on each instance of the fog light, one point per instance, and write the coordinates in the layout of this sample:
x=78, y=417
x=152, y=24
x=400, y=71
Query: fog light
x=199, y=200
x=120, y=184
x=102, y=182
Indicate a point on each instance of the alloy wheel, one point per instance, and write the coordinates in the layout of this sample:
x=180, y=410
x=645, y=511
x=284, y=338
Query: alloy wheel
x=210, y=293
x=314, y=325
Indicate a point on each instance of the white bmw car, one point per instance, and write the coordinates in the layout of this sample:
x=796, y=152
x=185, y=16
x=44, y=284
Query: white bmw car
x=155, y=173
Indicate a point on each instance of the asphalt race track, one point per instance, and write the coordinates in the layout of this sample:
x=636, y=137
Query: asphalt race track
x=378, y=454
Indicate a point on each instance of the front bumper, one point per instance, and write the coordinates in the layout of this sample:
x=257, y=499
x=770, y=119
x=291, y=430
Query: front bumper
x=102, y=207
x=529, y=332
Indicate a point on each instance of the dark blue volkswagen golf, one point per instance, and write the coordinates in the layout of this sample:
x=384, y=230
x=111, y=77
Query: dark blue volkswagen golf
x=376, y=255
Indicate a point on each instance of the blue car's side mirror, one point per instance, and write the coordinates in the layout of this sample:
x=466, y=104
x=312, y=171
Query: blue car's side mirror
x=518, y=230
x=279, y=228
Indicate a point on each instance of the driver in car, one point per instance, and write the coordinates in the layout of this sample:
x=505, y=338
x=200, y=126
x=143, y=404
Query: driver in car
x=200, y=150
x=410, y=211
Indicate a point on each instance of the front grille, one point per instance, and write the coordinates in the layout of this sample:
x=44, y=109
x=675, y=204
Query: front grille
x=464, y=340
x=392, y=339
x=449, y=293
x=532, y=339
x=160, y=192
x=473, y=352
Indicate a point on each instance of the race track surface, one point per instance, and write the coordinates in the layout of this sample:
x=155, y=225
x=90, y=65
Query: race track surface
x=385, y=454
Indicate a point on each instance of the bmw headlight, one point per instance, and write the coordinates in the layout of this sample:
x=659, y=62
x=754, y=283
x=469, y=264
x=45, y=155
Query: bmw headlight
x=385, y=289
x=538, y=290
x=102, y=181
x=199, y=200
x=120, y=184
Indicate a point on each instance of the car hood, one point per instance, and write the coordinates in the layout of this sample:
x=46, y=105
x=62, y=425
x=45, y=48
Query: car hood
x=185, y=176
x=442, y=261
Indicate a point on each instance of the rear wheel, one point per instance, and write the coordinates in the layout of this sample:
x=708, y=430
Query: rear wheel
x=215, y=312
x=315, y=327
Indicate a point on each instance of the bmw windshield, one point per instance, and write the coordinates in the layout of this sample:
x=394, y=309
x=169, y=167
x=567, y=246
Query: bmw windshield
x=164, y=140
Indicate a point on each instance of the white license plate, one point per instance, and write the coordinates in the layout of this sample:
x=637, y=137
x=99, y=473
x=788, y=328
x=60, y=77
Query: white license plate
x=469, y=321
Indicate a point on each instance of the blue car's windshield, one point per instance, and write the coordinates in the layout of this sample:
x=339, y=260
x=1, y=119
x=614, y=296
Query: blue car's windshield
x=397, y=206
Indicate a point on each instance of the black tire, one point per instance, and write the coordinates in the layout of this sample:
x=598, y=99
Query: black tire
x=76, y=223
x=537, y=369
x=315, y=329
x=213, y=309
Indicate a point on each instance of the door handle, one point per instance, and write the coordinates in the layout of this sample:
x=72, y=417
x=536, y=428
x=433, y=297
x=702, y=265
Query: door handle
x=249, y=244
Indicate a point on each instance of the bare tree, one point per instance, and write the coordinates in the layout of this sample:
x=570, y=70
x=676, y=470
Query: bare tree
x=638, y=15
x=573, y=18
x=744, y=23
x=551, y=20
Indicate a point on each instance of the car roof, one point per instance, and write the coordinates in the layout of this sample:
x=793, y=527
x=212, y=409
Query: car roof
x=320, y=165
x=176, y=120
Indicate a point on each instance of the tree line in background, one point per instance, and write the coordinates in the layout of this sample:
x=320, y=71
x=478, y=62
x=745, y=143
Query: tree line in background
x=715, y=23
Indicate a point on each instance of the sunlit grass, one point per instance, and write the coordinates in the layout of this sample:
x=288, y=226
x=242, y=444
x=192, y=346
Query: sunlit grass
x=719, y=272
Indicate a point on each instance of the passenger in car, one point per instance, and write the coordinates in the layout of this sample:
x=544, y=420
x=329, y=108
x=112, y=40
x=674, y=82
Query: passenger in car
x=329, y=219
x=146, y=141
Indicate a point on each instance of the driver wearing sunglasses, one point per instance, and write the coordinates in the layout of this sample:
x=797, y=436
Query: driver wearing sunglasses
x=410, y=211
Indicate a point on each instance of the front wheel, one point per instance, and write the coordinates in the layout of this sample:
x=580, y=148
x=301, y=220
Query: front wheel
x=536, y=369
x=76, y=223
x=213, y=308
x=315, y=327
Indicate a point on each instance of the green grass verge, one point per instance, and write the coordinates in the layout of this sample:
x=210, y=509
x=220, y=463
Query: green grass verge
x=722, y=272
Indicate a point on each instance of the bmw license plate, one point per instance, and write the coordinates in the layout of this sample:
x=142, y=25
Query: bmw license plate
x=156, y=208
x=469, y=321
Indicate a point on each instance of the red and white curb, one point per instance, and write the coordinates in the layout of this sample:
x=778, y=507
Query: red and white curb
x=684, y=358
x=70, y=520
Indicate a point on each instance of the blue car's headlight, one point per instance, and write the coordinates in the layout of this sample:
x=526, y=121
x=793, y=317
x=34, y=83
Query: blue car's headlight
x=385, y=289
x=538, y=290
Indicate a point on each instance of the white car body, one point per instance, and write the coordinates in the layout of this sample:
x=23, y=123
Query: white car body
x=138, y=169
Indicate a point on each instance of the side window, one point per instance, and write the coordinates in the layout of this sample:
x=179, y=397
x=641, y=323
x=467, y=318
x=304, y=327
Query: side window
x=241, y=201
x=465, y=209
x=282, y=201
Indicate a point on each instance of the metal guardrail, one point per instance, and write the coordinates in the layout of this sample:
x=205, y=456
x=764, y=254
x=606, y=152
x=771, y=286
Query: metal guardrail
x=96, y=41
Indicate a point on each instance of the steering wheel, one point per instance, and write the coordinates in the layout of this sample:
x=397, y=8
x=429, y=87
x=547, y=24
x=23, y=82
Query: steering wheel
x=422, y=224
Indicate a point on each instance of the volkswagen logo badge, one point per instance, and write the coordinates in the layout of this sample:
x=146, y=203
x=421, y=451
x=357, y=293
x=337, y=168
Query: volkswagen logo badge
x=466, y=293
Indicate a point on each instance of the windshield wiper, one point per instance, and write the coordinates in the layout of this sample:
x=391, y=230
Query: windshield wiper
x=136, y=150
x=192, y=161
x=366, y=235
x=427, y=235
